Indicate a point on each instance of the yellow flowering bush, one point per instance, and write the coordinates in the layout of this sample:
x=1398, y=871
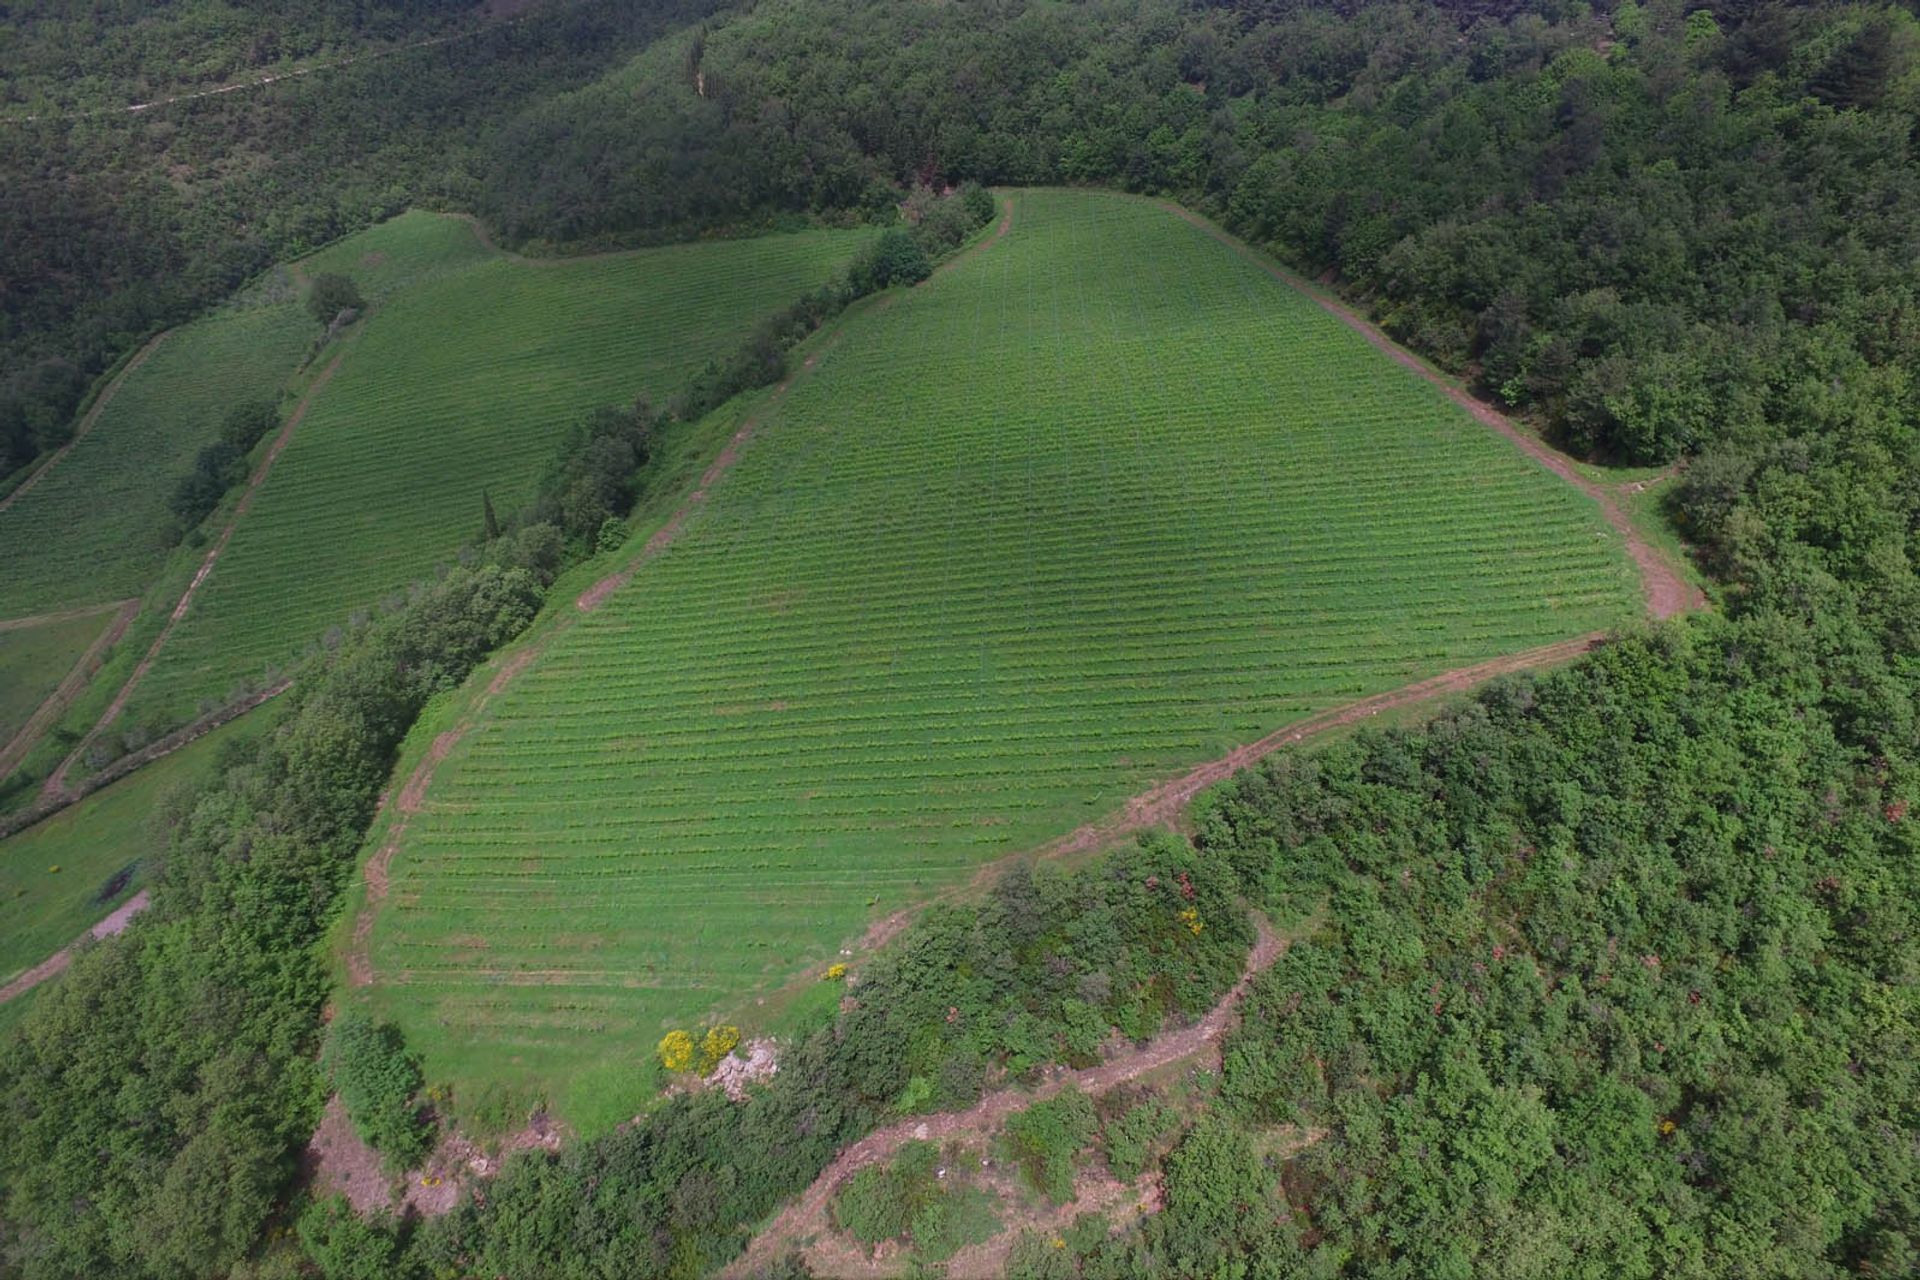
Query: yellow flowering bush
x=1191, y=918
x=835, y=972
x=676, y=1051
x=717, y=1044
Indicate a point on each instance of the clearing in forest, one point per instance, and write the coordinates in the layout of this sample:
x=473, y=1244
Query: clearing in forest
x=1101, y=502
x=462, y=380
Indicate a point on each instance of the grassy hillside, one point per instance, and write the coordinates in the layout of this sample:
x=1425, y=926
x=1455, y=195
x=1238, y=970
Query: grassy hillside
x=462, y=382
x=1098, y=504
x=92, y=529
x=35, y=659
x=105, y=849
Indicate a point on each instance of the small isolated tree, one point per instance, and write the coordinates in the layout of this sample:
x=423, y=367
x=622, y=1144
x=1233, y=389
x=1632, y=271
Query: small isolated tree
x=247, y=421
x=377, y=1078
x=1047, y=1136
x=895, y=258
x=489, y=522
x=332, y=293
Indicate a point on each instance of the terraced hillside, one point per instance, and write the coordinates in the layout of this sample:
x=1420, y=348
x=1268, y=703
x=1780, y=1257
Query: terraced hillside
x=1095, y=505
x=468, y=369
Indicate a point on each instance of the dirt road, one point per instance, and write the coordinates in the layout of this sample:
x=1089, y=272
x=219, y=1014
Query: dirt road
x=1162, y=805
x=807, y=1215
x=57, y=963
x=49, y=712
x=56, y=784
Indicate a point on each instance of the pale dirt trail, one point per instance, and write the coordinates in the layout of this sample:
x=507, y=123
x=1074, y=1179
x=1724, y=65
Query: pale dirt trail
x=259, y=82
x=56, y=785
x=100, y=403
x=360, y=971
x=31, y=621
x=49, y=712
x=807, y=1215
x=57, y=963
x=1667, y=593
x=1162, y=805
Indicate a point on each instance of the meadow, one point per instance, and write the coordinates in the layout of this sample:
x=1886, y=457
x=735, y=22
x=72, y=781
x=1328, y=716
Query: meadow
x=96, y=523
x=1096, y=505
x=61, y=876
x=33, y=660
x=468, y=370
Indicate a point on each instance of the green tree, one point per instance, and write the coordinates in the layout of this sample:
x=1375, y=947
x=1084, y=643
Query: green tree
x=377, y=1079
x=332, y=293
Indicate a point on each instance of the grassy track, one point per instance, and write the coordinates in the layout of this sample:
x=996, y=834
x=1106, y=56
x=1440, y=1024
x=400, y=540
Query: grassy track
x=33, y=660
x=462, y=381
x=91, y=530
x=91, y=843
x=1099, y=504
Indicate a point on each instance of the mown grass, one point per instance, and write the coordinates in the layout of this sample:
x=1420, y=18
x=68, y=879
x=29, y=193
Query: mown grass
x=1095, y=506
x=93, y=529
x=460, y=383
x=118, y=830
x=34, y=660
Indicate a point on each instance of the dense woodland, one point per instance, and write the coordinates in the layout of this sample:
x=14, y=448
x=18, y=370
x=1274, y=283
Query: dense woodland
x=1607, y=973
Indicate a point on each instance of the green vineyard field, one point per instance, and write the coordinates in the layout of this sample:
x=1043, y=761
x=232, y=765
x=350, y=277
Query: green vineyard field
x=95, y=523
x=467, y=371
x=33, y=660
x=1096, y=505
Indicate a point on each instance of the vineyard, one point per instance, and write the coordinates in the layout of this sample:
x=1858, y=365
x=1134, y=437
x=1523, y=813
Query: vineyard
x=460, y=384
x=95, y=523
x=1101, y=502
x=33, y=660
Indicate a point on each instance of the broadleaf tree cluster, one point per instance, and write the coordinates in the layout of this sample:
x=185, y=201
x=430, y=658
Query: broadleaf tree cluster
x=1610, y=973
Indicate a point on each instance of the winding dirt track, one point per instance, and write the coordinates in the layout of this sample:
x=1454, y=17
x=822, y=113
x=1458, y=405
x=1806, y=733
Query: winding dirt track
x=1666, y=591
x=48, y=712
x=56, y=784
x=57, y=963
x=807, y=1215
x=100, y=403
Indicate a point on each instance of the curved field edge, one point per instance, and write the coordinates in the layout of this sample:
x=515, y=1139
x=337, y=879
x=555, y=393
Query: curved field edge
x=418, y=748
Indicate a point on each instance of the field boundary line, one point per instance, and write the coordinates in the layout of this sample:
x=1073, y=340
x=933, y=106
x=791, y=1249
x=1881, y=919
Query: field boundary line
x=807, y=1214
x=1162, y=804
x=91, y=416
x=1665, y=590
x=56, y=964
x=77, y=678
x=56, y=784
x=46, y=806
x=412, y=796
